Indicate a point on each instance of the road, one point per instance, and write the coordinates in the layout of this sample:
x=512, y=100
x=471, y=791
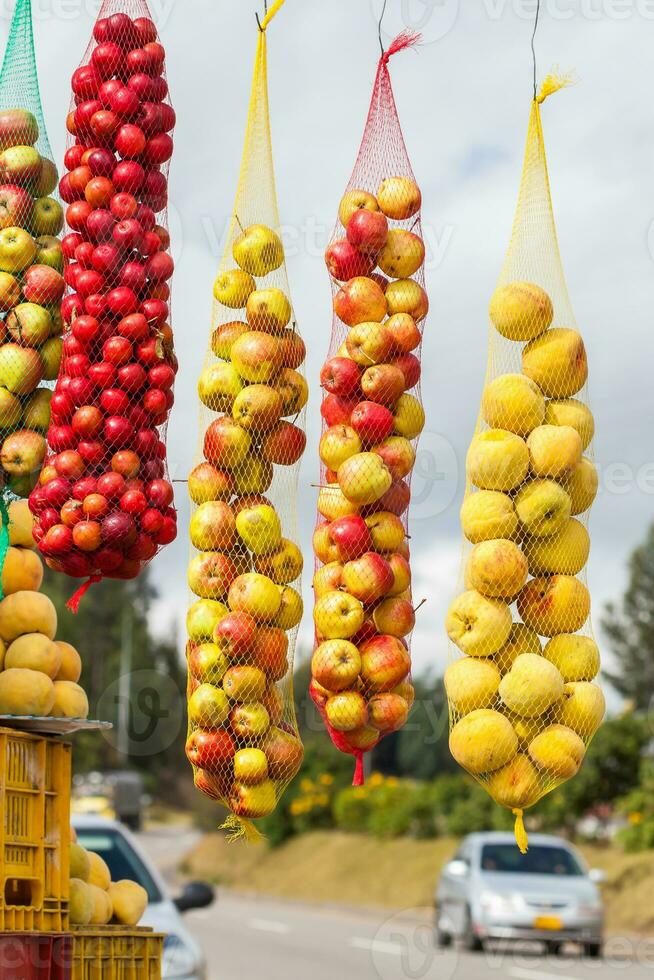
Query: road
x=249, y=938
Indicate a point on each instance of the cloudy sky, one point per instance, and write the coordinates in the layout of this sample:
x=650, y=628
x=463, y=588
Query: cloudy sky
x=464, y=101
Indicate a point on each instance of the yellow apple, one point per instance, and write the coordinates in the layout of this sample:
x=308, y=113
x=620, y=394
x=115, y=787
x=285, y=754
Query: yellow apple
x=556, y=361
x=577, y=657
x=581, y=708
x=488, y=514
x=554, y=450
x=513, y=402
x=471, y=684
x=399, y=197
x=290, y=609
x=497, y=568
x=260, y=529
x=258, y=250
x=558, y=751
x=353, y=201
x=408, y=417
x=218, y=386
x=516, y=785
x=543, y=508
x=570, y=411
x=532, y=686
x=364, y=478
x=233, y=287
x=346, y=711
x=386, y=530
x=407, y=296
x=402, y=255
x=582, y=484
x=255, y=594
x=483, y=741
x=497, y=460
x=521, y=639
x=479, y=626
x=560, y=604
x=283, y=565
x=521, y=310
x=337, y=444
x=565, y=553
x=338, y=616
x=333, y=503
x=268, y=310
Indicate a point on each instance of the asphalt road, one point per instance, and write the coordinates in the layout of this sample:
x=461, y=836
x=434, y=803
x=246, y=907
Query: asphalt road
x=250, y=938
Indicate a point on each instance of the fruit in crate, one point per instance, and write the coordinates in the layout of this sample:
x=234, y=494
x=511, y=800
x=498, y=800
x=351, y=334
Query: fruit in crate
x=95, y=899
x=104, y=505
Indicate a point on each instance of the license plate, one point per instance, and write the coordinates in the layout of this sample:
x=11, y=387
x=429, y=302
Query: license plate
x=548, y=923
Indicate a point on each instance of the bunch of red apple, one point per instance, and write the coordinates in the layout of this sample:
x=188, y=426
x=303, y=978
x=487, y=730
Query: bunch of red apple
x=103, y=503
x=31, y=287
x=363, y=609
x=242, y=744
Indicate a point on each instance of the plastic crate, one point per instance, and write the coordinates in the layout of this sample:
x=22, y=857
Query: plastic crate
x=35, y=956
x=35, y=777
x=117, y=952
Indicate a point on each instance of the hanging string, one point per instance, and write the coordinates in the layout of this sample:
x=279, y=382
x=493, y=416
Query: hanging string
x=381, y=43
x=533, y=45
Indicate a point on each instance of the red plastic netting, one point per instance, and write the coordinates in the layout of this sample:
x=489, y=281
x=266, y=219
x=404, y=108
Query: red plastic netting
x=372, y=418
x=104, y=501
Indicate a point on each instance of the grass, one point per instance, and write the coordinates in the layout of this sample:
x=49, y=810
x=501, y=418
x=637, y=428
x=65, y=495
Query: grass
x=356, y=870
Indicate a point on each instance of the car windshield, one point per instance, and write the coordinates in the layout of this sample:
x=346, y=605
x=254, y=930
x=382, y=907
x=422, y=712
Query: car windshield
x=539, y=860
x=122, y=860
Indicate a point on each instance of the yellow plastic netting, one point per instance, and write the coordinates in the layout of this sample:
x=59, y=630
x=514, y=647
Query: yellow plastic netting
x=245, y=566
x=524, y=703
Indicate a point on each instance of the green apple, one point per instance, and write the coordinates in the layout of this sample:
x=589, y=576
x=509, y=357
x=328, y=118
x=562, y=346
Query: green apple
x=49, y=252
x=17, y=249
x=51, y=357
x=218, y=386
x=47, y=217
x=258, y=250
x=36, y=411
x=10, y=410
x=48, y=178
x=29, y=324
x=21, y=368
x=260, y=529
x=208, y=706
x=203, y=617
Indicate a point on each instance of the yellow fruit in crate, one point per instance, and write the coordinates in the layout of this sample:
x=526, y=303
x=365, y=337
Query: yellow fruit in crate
x=564, y=553
x=497, y=568
x=488, y=514
x=80, y=865
x=27, y=612
x=479, y=626
x=258, y=250
x=103, y=909
x=560, y=604
x=25, y=692
x=577, y=657
x=99, y=873
x=70, y=701
x=71, y=662
x=80, y=903
x=232, y=288
x=570, y=411
x=581, y=708
x=516, y=784
x=557, y=362
x=543, y=507
x=129, y=902
x=581, y=485
x=554, y=450
x=558, y=751
x=21, y=523
x=34, y=651
x=521, y=639
x=22, y=571
x=471, y=684
x=532, y=686
x=513, y=402
x=483, y=741
x=521, y=310
x=3, y=650
x=497, y=460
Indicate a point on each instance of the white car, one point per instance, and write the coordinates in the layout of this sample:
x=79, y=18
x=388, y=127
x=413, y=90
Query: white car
x=183, y=958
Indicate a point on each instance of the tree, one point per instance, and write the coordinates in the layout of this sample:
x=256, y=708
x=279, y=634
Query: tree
x=112, y=614
x=630, y=629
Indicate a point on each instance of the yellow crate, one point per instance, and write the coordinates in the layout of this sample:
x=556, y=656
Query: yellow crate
x=35, y=777
x=117, y=952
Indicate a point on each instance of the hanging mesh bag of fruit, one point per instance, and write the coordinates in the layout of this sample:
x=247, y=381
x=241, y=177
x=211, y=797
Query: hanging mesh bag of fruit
x=31, y=265
x=524, y=703
x=104, y=503
x=372, y=418
x=245, y=565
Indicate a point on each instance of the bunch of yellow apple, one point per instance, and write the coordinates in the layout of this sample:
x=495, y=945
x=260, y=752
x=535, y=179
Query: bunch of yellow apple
x=245, y=571
x=38, y=673
x=525, y=712
x=96, y=900
x=31, y=288
x=363, y=611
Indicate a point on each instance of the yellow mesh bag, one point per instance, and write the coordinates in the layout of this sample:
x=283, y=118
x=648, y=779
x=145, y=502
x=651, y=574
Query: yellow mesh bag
x=245, y=566
x=524, y=703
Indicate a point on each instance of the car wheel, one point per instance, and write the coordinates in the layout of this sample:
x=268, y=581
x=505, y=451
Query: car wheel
x=593, y=951
x=470, y=941
x=442, y=939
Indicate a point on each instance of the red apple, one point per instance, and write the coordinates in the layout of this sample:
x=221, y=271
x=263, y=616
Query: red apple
x=211, y=752
x=373, y=422
x=340, y=376
x=367, y=231
x=344, y=261
x=351, y=536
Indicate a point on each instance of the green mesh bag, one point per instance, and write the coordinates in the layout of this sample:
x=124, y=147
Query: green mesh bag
x=31, y=264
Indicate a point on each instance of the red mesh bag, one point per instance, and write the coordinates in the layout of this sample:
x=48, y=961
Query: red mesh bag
x=372, y=417
x=103, y=504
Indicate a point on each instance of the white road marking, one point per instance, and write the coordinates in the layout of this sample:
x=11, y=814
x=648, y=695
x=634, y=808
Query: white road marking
x=375, y=945
x=521, y=974
x=267, y=925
